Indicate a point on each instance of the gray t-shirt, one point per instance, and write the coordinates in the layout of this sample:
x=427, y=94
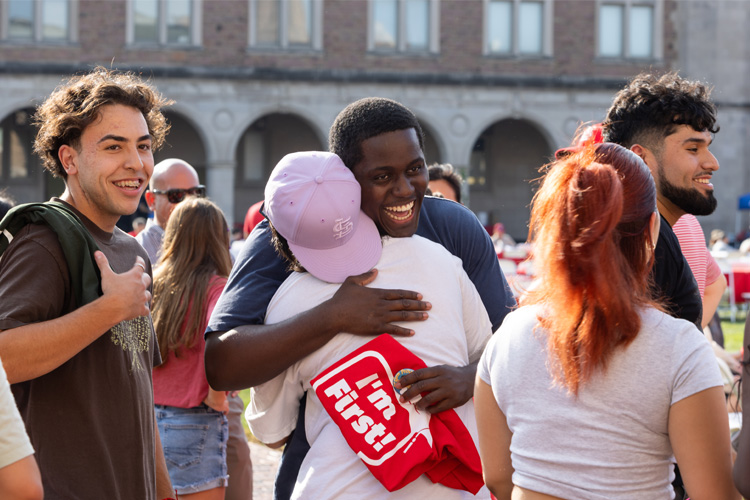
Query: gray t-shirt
x=610, y=442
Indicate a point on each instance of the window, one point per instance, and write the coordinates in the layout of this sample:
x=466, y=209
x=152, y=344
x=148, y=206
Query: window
x=16, y=140
x=164, y=22
x=404, y=26
x=477, y=179
x=40, y=21
x=286, y=24
x=252, y=153
x=629, y=29
x=518, y=27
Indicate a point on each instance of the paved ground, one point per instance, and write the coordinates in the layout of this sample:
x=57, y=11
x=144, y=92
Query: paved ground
x=265, y=463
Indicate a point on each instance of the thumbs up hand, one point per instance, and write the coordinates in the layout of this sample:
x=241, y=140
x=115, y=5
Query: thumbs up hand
x=129, y=288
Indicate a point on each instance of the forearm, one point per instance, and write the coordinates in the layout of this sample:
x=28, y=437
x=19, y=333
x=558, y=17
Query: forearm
x=494, y=439
x=502, y=489
x=36, y=349
x=216, y=395
x=253, y=354
x=21, y=480
x=711, y=298
x=742, y=463
x=163, y=483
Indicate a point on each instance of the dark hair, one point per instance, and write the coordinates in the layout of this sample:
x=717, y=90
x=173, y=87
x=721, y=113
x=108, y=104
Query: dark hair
x=446, y=172
x=591, y=234
x=650, y=108
x=281, y=245
x=368, y=118
x=75, y=105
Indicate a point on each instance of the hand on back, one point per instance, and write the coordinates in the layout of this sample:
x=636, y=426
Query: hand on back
x=361, y=310
x=446, y=387
x=372, y=311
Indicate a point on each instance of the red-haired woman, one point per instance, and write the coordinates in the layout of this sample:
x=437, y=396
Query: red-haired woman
x=589, y=388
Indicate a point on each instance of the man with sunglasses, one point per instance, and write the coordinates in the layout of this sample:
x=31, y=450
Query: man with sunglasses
x=173, y=180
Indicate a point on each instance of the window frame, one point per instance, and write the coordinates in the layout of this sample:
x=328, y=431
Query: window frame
x=316, y=35
x=657, y=33
x=547, y=30
x=433, y=30
x=37, y=39
x=33, y=163
x=196, y=32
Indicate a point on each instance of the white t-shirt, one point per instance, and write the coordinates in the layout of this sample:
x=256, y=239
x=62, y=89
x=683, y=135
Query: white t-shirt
x=455, y=334
x=14, y=442
x=610, y=442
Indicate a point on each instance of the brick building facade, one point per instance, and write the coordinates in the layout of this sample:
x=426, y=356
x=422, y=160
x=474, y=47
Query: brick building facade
x=498, y=85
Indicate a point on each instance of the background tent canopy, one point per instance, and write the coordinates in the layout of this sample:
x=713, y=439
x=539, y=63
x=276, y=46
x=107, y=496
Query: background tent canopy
x=744, y=202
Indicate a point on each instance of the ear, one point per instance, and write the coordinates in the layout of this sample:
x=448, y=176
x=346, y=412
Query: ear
x=647, y=156
x=68, y=158
x=639, y=150
x=150, y=199
x=654, y=225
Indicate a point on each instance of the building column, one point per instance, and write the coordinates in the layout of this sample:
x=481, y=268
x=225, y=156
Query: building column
x=220, y=186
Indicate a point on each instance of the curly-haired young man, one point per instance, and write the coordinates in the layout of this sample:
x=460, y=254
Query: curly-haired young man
x=669, y=122
x=76, y=336
x=380, y=140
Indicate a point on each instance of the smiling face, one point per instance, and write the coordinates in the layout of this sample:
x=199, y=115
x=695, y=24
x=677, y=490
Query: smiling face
x=111, y=167
x=683, y=171
x=394, y=178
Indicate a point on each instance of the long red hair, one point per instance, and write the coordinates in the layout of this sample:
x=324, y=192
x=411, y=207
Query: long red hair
x=592, y=248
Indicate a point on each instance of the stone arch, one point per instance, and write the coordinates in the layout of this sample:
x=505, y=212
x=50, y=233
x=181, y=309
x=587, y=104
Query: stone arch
x=434, y=150
x=261, y=145
x=317, y=126
x=185, y=141
x=505, y=158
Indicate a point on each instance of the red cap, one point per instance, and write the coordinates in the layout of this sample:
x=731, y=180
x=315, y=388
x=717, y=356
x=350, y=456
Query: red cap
x=591, y=135
x=252, y=218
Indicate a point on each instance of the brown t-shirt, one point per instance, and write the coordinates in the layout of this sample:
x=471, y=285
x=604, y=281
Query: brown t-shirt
x=91, y=420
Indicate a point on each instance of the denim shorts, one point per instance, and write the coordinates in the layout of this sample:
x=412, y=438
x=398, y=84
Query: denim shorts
x=195, y=447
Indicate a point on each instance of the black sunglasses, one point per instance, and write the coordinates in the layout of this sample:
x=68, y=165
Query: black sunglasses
x=177, y=195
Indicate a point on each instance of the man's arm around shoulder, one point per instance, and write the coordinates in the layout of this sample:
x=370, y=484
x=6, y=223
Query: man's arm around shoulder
x=249, y=355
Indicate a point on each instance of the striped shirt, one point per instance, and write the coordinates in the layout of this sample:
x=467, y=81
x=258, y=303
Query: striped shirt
x=693, y=244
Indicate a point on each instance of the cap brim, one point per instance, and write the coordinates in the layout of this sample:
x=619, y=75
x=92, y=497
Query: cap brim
x=356, y=256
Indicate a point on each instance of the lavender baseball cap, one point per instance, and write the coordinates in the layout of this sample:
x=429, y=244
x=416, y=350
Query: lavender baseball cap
x=313, y=201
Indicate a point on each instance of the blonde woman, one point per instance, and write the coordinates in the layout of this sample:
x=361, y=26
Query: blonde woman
x=191, y=274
